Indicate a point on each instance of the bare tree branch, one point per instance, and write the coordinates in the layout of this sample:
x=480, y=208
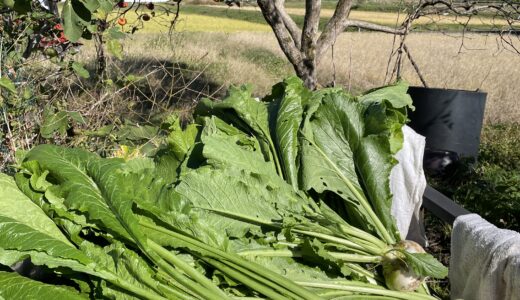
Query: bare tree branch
x=335, y=26
x=289, y=23
x=310, y=27
x=273, y=17
x=414, y=65
x=374, y=27
x=309, y=37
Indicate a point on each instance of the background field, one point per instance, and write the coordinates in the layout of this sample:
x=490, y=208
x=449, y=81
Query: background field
x=235, y=45
x=476, y=62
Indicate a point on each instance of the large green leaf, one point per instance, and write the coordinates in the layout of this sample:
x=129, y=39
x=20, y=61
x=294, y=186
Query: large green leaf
x=339, y=155
x=387, y=108
x=246, y=113
x=72, y=23
x=226, y=146
x=125, y=264
x=16, y=287
x=106, y=197
x=239, y=194
x=15, y=205
x=395, y=94
x=118, y=194
x=286, y=115
x=240, y=184
x=77, y=15
x=69, y=168
x=161, y=201
x=179, y=140
x=37, y=236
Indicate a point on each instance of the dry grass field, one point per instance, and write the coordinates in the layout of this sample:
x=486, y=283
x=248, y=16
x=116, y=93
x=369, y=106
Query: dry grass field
x=361, y=61
x=362, y=58
x=221, y=18
x=232, y=48
x=391, y=18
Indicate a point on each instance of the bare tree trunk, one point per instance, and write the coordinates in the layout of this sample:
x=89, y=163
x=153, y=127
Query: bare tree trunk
x=309, y=75
x=305, y=47
x=309, y=40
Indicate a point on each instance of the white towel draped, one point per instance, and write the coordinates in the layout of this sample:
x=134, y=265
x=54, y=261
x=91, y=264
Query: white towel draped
x=407, y=183
x=485, y=260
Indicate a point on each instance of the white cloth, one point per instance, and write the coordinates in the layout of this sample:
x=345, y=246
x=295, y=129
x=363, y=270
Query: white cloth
x=407, y=183
x=485, y=260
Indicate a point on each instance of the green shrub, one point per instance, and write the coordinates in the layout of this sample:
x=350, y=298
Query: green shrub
x=491, y=187
x=501, y=146
x=493, y=192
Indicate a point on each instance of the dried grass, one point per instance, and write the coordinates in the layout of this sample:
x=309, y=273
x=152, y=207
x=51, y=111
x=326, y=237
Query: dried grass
x=472, y=63
x=361, y=61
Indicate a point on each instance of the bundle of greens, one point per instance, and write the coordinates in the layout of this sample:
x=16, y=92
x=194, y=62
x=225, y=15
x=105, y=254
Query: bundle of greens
x=283, y=198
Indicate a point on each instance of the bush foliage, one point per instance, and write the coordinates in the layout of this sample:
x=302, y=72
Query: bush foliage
x=491, y=187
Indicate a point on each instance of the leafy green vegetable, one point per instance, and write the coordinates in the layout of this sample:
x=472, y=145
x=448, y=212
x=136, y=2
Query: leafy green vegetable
x=248, y=114
x=335, y=149
x=16, y=287
x=16, y=206
x=181, y=141
x=424, y=264
x=69, y=168
x=40, y=239
x=286, y=104
x=286, y=197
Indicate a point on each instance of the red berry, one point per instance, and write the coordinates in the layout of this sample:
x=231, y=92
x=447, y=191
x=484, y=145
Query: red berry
x=58, y=27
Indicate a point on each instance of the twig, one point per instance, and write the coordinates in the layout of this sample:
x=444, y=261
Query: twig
x=9, y=132
x=416, y=68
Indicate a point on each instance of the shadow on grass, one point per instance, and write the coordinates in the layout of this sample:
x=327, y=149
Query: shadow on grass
x=161, y=82
x=143, y=89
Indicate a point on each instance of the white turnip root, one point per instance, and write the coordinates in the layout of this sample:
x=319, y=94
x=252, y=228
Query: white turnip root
x=398, y=275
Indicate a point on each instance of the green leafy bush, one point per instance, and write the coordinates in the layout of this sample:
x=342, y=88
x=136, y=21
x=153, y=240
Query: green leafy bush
x=494, y=193
x=491, y=187
x=500, y=146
